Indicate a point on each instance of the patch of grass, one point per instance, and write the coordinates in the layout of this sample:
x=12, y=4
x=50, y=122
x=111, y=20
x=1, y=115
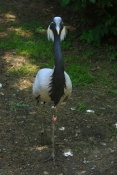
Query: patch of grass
x=113, y=92
x=27, y=69
x=114, y=67
x=11, y=41
x=14, y=106
x=30, y=40
x=1, y=29
x=66, y=44
x=32, y=26
x=106, y=75
x=112, y=53
x=39, y=49
x=80, y=74
x=101, y=78
x=27, y=46
x=82, y=107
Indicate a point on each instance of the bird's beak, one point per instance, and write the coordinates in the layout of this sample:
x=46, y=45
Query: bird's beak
x=58, y=29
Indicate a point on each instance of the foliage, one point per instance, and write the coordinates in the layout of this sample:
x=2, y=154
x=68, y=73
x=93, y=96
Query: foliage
x=82, y=107
x=28, y=40
x=103, y=22
x=14, y=106
x=83, y=76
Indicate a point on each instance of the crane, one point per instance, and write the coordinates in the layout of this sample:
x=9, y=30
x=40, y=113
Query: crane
x=53, y=85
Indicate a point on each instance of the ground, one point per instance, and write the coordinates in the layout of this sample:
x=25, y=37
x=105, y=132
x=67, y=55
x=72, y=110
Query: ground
x=89, y=136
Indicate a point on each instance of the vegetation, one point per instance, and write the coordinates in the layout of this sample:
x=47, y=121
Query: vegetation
x=28, y=39
x=101, y=16
x=87, y=124
x=21, y=104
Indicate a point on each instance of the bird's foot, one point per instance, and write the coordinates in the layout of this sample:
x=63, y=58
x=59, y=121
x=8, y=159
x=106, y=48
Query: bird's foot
x=54, y=119
x=43, y=136
x=52, y=157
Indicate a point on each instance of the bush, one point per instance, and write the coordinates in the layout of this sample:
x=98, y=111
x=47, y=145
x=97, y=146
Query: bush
x=101, y=14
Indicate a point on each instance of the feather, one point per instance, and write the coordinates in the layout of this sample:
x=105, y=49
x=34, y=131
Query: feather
x=50, y=34
x=63, y=33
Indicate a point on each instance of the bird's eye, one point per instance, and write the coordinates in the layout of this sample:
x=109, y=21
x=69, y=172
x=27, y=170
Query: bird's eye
x=61, y=25
x=52, y=25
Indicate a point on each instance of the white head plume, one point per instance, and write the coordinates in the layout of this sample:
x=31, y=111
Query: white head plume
x=63, y=33
x=50, y=34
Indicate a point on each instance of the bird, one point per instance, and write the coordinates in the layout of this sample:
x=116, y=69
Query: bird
x=53, y=85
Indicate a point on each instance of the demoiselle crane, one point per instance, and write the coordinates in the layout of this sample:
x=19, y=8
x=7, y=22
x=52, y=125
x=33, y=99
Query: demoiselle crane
x=53, y=85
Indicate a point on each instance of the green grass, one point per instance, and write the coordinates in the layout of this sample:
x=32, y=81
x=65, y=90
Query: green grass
x=82, y=107
x=113, y=92
x=14, y=106
x=30, y=40
x=27, y=46
x=24, y=70
x=79, y=74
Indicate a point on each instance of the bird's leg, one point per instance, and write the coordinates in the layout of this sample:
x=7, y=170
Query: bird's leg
x=53, y=139
x=42, y=124
x=54, y=118
x=52, y=157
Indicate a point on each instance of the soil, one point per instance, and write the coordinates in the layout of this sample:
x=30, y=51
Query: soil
x=89, y=137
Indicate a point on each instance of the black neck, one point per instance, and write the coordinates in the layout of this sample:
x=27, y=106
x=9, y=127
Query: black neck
x=58, y=53
x=57, y=84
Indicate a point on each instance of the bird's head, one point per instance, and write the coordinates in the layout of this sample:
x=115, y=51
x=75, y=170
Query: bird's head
x=56, y=27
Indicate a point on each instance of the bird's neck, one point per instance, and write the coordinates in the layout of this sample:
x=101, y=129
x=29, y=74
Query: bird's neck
x=58, y=54
x=58, y=79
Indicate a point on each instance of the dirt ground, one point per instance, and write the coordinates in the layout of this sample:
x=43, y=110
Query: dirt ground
x=88, y=137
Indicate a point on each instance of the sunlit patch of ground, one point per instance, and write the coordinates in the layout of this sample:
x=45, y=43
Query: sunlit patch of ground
x=13, y=60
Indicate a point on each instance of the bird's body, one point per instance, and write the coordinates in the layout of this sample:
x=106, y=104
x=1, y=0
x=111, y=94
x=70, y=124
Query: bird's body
x=53, y=85
x=42, y=87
